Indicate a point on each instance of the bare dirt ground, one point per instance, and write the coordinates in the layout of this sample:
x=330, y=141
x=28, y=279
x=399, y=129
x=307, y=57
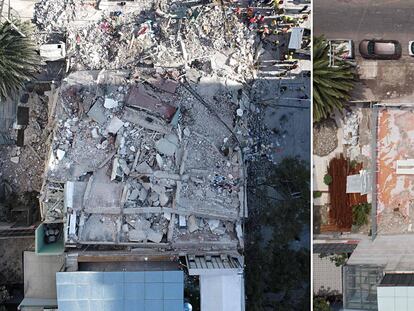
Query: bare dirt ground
x=11, y=256
x=26, y=175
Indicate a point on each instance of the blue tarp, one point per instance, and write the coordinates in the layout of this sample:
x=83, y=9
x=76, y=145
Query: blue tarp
x=117, y=291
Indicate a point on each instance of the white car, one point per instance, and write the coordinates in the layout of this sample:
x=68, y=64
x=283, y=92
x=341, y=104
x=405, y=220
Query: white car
x=411, y=48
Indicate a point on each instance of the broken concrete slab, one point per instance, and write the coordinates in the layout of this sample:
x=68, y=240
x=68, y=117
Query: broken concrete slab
x=154, y=197
x=116, y=173
x=135, y=235
x=143, y=193
x=213, y=224
x=97, y=112
x=159, y=160
x=133, y=195
x=99, y=228
x=192, y=223
x=114, y=125
x=154, y=236
x=146, y=120
x=239, y=231
x=186, y=132
x=182, y=221
x=95, y=133
x=110, y=103
x=142, y=224
x=144, y=168
x=167, y=145
x=124, y=166
x=73, y=194
x=15, y=160
x=164, y=199
x=60, y=154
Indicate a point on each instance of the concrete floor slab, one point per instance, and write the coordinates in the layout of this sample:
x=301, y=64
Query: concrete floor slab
x=40, y=275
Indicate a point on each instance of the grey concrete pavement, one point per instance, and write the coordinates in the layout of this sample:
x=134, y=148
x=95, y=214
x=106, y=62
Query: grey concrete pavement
x=361, y=19
x=390, y=81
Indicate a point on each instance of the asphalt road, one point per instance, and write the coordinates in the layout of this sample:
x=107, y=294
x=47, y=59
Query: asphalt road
x=385, y=81
x=365, y=19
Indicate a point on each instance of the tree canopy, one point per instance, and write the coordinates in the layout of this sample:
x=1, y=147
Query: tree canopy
x=331, y=85
x=19, y=59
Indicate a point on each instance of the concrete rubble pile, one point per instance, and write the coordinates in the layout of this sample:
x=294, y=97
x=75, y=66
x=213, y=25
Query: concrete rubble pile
x=143, y=163
x=351, y=129
x=55, y=15
x=153, y=124
x=166, y=33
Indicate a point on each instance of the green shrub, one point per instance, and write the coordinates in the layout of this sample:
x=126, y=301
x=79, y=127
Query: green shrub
x=317, y=194
x=353, y=164
x=360, y=214
x=327, y=179
x=320, y=304
x=339, y=259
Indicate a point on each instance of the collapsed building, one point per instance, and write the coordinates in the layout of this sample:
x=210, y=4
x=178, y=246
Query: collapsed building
x=146, y=166
x=128, y=168
x=150, y=137
x=145, y=163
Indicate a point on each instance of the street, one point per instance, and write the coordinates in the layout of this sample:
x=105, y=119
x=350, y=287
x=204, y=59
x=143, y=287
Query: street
x=366, y=19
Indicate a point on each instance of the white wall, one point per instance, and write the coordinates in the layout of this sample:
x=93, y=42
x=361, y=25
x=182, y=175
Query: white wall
x=326, y=275
x=399, y=298
x=222, y=292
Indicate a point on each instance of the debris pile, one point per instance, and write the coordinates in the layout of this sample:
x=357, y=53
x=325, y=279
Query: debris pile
x=325, y=137
x=22, y=164
x=55, y=15
x=143, y=163
x=153, y=123
x=351, y=129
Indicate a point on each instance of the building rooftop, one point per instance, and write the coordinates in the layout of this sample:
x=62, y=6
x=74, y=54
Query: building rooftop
x=132, y=291
x=334, y=248
x=393, y=252
x=398, y=279
x=395, y=185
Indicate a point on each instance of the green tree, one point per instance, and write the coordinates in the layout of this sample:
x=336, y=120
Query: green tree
x=331, y=85
x=320, y=304
x=279, y=201
x=360, y=213
x=19, y=59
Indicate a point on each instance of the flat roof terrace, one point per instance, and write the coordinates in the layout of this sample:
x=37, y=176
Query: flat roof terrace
x=395, y=170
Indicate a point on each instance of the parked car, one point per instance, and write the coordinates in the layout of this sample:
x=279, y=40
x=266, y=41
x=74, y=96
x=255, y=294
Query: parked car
x=411, y=48
x=380, y=49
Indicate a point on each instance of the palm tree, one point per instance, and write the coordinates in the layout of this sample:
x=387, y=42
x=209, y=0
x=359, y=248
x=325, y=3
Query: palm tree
x=19, y=59
x=331, y=85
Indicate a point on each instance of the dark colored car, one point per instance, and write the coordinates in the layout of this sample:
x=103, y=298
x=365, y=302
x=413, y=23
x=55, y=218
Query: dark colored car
x=380, y=49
